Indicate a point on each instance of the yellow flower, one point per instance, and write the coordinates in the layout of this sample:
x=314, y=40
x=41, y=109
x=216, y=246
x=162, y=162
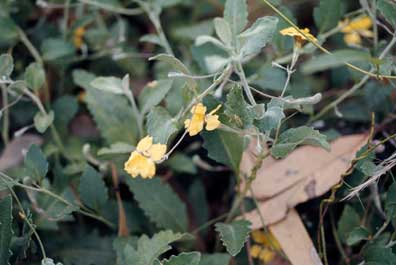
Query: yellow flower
x=142, y=160
x=199, y=118
x=356, y=29
x=266, y=239
x=78, y=37
x=298, y=36
x=264, y=254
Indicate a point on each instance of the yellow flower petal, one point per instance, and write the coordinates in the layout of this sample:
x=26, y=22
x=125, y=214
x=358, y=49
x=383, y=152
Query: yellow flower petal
x=196, y=123
x=255, y=251
x=198, y=109
x=215, y=110
x=361, y=23
x=138, y=164
x=291, y=31
x=265, y=239
x=144, y=144
x=157, y=152
x=212, y=122
x=267, y=255
x=353, y=39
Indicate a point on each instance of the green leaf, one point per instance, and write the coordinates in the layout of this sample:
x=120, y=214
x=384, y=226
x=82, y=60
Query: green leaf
x=149, y=249
x=336, y=59
x=35, y=76
x=5, y=229
x=92, y=189
x=185, y=258
x=6, y=65
x=109, y=84
x=388, y=10
x=53, y=49
x=348, y=221
x=160, y=125
x=290, y=139
x=210, y=57
x=236, y=14
x=327, y=14
x=223, y=30
x=65, y=108
x=35, y=163
x=376, y=255
x=357, y=235
x=8, y=31
x=111, y=112
x=153, y=94
x=269, y=77
x=199, y=204
x=390, y=202
x=43, y=121
x=215, y=259
x=234, y=235
x=177, y=65
x=258, y=35
x=116, y=148
x=152, y=38
x=224, y=147
x=160, y=203
x=182, y=163
x=237, y=109
x=272, y=117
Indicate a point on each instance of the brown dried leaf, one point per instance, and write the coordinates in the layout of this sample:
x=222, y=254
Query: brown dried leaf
x=295, y=241
x=12, y=155
x=306, y=173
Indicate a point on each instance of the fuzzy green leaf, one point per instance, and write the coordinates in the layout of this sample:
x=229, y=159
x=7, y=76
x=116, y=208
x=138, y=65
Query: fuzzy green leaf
x=223, y=30
x=348, y=221
x=8, y=31
x=5, y=229
x=160, y=203
x=272, y=117
x=327, y=14
x=224, y=147
x=236, y=14
x=357, y=235
x=185, y=258
x=258, y=35
x=92, y=189
x=160, y=125
x=54, y=49
x=35, y=163
x=109, y=84
x=149, y=249
x=290, y=139
x=215, y=259
x=388, y=10
x=111, y=112
x=390, y=202
x=35, y=76
x=237, y=109
x=234, y=235
x=6, y=65
x=153, y=94
x=43, y=121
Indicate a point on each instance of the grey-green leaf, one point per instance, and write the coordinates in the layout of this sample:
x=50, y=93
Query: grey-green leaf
x=272, y=116
x=388, y=10
x=234, y=235
x=5, y=229
x=116, y=148
x=43, y=120
x=109, y=84
x=215, y=259
x=327, y=14
x=224, y=147
x=348, y=221
x=223, y=30
x=35, y=76
x=35, y=163
x=336, y=59
x=6, y=65
x=160, y=203
x=153, y=94
x=160, y=125
x=54, y=49
x=92, y=189
x=258, y=35
x=290, y=139
x=185, y=258
x=237, y=109
x=236, y=14
x=357, y=235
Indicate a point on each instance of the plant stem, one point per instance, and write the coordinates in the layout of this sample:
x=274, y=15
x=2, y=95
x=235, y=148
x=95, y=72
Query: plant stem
x=245, y=84
x=160, y=31
x=6, y=115
x=118, y=10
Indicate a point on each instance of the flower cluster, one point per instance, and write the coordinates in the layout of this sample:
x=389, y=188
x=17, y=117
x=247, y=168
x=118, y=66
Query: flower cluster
x=265, y=246
x=356, y=29
x=142, y=161
x=298, y=35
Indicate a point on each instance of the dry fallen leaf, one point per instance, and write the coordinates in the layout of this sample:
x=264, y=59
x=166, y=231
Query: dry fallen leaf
x=12, y=155
x=306, y=173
